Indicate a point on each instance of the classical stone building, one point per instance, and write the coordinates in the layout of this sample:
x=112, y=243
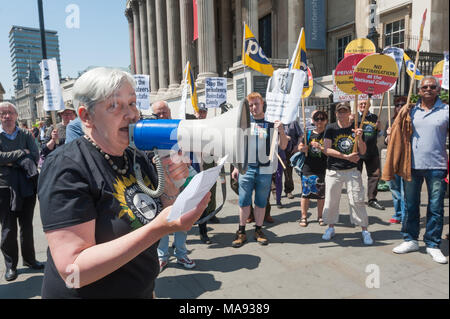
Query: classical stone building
x=2, y=92
x=26, y=90
x=161, y=37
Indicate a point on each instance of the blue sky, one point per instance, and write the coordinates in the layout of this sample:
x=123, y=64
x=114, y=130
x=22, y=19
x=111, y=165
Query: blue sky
x=102, y=37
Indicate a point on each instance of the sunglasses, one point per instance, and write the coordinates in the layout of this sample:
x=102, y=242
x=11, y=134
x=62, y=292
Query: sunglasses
x=426, y=87
x=319, y=119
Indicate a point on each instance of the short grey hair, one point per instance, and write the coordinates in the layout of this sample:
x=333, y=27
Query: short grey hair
x=6, y=104
x=97, y=85
x=430, y=77
x=158, y=102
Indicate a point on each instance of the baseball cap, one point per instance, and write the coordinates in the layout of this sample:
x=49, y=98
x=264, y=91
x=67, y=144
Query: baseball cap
x=68, y=106
x=341, y=106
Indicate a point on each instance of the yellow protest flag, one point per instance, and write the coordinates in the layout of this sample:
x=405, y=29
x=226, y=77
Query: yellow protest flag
x=298, y=60
x=253, y=55
x=192, y=88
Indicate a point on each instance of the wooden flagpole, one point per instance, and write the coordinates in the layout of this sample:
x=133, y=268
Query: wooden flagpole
x=305, y=138
x=381, y=105
x=355, y=109
x=389, y=109
x=408, y=100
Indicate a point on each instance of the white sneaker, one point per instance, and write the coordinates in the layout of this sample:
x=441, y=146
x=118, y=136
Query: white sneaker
x=186, y=262
x=437, y=255
x=406, y=247
x=329, y=233
x=366, y=238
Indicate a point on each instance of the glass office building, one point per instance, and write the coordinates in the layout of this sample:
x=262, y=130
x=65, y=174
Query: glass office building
x=26, y=50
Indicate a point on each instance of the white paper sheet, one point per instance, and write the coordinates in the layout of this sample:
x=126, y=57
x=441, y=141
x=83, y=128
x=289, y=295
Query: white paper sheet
x=197, y=188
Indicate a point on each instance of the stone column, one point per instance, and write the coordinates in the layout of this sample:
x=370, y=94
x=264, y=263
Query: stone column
x=144, y=35
x=161, y=33
x=174, y=41
x=129, y=15
x=137, y=37
x=227, y=37
x=239, y=28
x=296, y=20
x=188, y=52
x=250, y=16
x=152, y=46
x=207, y=61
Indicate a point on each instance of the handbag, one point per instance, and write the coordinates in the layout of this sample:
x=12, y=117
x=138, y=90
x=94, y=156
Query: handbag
x=298, y=159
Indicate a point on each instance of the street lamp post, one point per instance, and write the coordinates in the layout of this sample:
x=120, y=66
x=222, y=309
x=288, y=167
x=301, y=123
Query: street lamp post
x=49, y=115
x=373, y=34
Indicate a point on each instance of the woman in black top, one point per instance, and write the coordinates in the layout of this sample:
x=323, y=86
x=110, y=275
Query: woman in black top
x=313, y=171
x=102, y=230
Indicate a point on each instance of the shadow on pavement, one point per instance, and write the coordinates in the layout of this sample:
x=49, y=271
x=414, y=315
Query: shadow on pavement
x=185, y=286
x=26, y=289
x=194, y=285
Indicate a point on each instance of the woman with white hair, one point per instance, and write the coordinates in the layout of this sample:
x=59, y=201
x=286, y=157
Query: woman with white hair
x=101, y=243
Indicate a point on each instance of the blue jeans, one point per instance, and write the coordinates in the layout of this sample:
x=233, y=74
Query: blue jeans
x=398, y=196
x=253, y=180
x=180, y=246
x=435, y=209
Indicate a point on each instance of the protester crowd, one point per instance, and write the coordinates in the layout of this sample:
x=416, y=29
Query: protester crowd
x=120, y=246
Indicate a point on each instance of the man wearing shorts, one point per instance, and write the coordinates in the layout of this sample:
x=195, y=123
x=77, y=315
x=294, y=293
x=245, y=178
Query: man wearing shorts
x=259, y=172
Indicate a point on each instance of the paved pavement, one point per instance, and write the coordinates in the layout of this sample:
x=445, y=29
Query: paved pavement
x=296, y=264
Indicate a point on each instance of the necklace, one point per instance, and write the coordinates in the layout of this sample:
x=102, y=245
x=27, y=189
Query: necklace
x=109, y=159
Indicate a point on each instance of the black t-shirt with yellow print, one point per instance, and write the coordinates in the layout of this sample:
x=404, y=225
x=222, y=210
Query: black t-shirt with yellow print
x=370, y=135
x=342, y=140
x=316, y=161
x=78, y=185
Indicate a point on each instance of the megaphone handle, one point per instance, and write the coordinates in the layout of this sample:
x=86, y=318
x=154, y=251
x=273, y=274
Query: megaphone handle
x=140, y=181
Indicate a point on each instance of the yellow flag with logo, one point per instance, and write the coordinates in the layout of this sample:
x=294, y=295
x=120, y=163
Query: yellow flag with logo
x=410, y=68
x=253, y=55
x=192, y=88
x=298, y=60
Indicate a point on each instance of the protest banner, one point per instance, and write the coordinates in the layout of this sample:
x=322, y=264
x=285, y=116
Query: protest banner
x=397, y=55
x=438, y=71
x=340, y=96
x=53, y=99
x=215, y=91
x=375, y=74
x=359, y=46
x=142, y=91
x=306, y=117
x=445, y=72
x=343, y=75
x=283, y=95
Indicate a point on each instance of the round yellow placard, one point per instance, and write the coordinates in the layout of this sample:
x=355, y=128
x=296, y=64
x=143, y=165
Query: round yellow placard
x=375, y=74
x=360, y=46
